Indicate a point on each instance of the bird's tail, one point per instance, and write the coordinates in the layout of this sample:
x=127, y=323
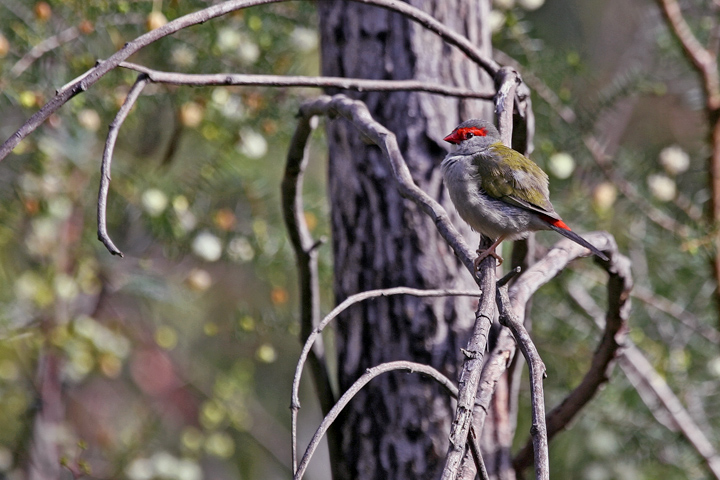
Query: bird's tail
x=560, y=227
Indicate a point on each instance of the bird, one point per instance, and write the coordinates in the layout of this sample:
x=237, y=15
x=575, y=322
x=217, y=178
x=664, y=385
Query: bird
x=498, y=191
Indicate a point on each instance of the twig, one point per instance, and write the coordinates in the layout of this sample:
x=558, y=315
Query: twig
x=235, y=79
x=477, y=455
x=356, y=387
x=677, y=311
x=351, y=300
x=613, y=339
x=42, y=48
x=472, y=368
x=538, y=431
x=704, y=62
x=649, y=383
x=498, y=361
x=122, y=114
x=306, y=255
x=507, y=81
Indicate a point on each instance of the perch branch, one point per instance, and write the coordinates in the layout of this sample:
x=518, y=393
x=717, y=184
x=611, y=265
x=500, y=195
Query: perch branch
x=472, y=368
x=356, y=387
x=506, y=81
x=122, y=114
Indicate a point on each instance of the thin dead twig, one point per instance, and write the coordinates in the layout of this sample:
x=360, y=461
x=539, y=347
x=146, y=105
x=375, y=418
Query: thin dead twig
x=356, y=387
x=655, y=392
x=306, y=254
x=538, y=431
x=507, y=81
x=613, y=339
x=122, y=114
x=88, y=79
x=240, y=79
x=351, y=300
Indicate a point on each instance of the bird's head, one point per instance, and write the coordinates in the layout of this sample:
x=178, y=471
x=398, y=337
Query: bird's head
x=472, y=129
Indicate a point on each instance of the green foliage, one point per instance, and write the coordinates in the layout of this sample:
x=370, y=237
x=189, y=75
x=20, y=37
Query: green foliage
x=645, y=112
x=161, y=350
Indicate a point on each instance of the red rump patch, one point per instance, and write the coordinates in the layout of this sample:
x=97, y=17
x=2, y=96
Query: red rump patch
x=557, y=223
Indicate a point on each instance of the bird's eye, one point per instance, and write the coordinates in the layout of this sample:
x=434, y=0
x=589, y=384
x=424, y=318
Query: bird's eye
x=469, y=135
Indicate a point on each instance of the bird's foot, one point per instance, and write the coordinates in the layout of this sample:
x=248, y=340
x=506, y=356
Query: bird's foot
x=483, y=254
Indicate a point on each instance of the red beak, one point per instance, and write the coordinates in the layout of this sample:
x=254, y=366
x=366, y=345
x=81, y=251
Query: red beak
x=452, y=138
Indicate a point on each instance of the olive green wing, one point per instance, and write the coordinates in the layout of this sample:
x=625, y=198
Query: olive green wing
x=509, y=176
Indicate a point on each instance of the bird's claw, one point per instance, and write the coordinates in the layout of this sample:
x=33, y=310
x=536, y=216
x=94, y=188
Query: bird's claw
x=483, y=254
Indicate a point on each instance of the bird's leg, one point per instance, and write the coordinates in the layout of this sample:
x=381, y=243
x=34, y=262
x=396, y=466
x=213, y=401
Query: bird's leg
x=483, y=254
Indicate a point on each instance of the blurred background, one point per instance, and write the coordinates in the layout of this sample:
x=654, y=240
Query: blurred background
x=176, y=361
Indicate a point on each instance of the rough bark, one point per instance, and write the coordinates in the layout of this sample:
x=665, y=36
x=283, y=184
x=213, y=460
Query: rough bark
x=397, y=427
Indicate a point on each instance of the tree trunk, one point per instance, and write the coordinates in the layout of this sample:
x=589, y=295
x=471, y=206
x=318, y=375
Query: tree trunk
x=398, y=426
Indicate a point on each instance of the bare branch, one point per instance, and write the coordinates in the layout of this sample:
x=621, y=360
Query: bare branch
x=507, y=81
x=42, y=48
x=477, y=455
x=356, y=387
x=351, y=300
x=306, y=254
x=357, y=113
x=655, y=392
x=702, y=60
x=122, y=114
x=613, y=339
x=538, y=431
x=93, y=75
x=498, y=361
x=235, y=79
x=472, y=367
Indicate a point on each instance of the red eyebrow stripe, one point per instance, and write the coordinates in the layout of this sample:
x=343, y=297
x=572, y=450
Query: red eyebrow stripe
x=479, y=132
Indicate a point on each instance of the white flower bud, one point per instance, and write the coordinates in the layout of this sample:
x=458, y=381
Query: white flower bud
x=662, y=187
x=674, y=160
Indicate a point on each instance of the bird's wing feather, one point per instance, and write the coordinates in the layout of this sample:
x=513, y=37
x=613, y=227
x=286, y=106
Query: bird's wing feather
x=513, y=178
